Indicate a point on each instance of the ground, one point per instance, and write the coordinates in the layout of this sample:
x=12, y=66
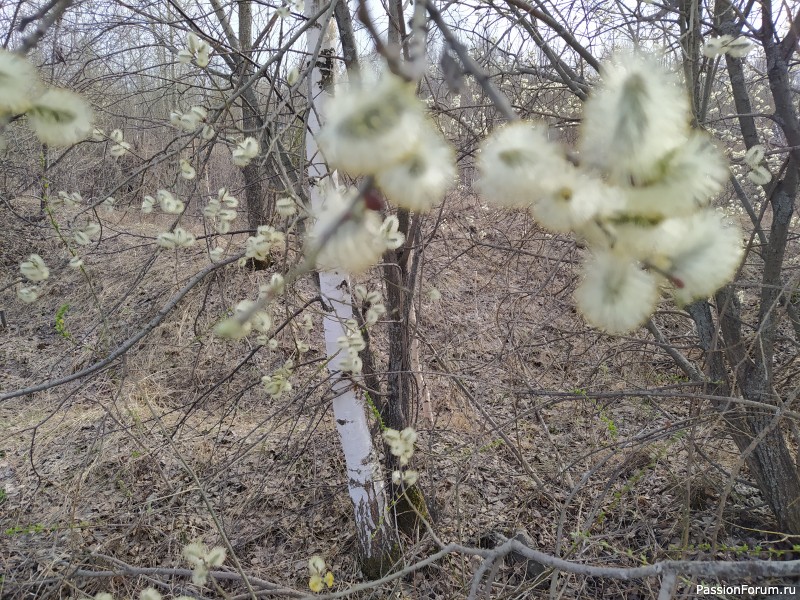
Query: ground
x=605, y=456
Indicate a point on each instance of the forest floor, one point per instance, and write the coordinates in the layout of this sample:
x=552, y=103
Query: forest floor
x=178, y=440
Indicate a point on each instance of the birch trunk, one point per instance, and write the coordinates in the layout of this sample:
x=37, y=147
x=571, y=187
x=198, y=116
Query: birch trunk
x=364, y=476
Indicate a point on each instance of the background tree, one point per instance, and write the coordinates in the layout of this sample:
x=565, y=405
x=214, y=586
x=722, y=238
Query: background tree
x=129, y=429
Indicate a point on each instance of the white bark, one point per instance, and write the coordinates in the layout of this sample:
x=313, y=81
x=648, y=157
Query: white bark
x=365, y=480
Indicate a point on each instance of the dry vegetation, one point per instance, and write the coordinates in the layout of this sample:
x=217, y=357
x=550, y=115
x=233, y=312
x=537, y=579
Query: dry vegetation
x=594, y=448
x=179, y=439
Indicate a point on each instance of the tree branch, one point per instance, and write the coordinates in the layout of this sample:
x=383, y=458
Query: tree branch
x=562, y=32
x=130, y=342
x=481, y=76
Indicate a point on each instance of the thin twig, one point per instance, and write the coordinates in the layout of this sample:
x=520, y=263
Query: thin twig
x=123, y=569
x=47, y=19
x=482, y=77
x=130, y=342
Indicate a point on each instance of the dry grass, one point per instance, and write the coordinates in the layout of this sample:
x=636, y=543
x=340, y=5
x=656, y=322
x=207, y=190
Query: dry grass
x=110, y=464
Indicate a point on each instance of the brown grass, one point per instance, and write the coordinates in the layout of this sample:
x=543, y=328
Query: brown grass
x=109, y=465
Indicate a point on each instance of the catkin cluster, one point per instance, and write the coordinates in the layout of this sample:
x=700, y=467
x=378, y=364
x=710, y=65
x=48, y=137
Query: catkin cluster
x=378, y=130
x=58, y=117
x=638, y=192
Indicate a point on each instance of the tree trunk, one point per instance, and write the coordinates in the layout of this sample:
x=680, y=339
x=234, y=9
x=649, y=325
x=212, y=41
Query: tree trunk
x=252, y=124
x=402, y=385
x=757, y=434
x=689, y=21
x=364, y=473
x=399, y=406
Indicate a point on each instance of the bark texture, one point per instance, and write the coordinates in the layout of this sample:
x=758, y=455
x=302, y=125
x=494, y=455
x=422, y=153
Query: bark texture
x=758, y=434
x=365, y=480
